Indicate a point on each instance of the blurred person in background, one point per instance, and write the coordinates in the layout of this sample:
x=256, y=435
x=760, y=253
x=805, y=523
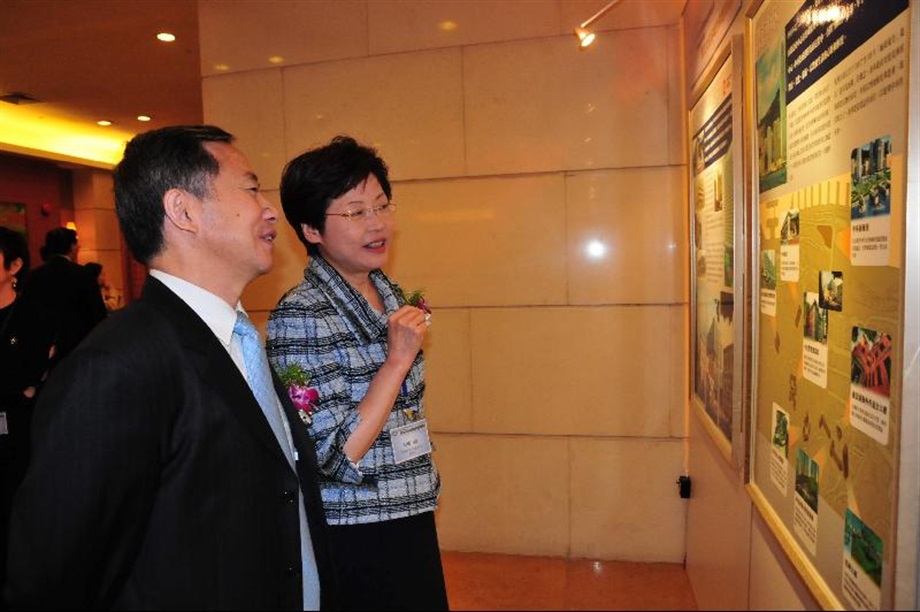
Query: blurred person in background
x=26, y=346
x=110, y=295
x=63, y=287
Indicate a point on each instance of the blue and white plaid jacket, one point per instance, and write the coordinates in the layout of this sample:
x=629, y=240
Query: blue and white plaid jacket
x=331, y=330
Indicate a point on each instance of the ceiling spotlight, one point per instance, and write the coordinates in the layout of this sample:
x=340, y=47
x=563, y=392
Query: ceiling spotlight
x=585, y=36
x=166, y=37
x=104, y=122
x=143, y=118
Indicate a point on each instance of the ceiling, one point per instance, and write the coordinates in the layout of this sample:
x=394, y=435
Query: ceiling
x=87, y=60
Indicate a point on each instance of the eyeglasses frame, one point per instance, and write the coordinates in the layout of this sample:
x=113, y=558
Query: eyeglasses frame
x=384, y=210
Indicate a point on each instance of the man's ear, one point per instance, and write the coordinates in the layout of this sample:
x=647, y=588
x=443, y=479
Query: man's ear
x=311, y=234
x=181, y=209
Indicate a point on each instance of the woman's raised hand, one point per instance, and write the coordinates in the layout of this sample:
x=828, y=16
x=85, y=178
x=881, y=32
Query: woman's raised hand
x=406, y=330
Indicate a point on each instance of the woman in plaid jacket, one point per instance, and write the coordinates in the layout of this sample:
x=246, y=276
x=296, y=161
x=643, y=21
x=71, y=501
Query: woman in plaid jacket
x=348, y=329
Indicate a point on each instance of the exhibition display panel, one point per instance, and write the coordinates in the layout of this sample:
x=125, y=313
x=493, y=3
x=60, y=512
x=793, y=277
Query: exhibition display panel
x=717, y=263
x=830, y=268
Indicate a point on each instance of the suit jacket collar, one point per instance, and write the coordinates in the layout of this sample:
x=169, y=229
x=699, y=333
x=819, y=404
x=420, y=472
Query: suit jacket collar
x=60, y=262
x=213, y=364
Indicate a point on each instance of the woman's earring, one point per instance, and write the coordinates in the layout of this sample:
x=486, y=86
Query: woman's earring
x=15, y=280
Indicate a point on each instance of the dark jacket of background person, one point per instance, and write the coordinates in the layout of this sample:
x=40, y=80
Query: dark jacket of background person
x=111, y=297
x=26, y=338
x=64, y=288
x=25, y=345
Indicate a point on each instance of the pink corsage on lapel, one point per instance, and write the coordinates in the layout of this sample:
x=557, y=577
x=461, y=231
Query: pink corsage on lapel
x=303, y=396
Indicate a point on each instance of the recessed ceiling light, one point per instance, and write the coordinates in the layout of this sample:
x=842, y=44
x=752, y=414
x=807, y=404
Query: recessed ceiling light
x=275, y=59
x=447, y=26
x=143, y=118
x=166, y=37
x=104, y=122
x=221, y=67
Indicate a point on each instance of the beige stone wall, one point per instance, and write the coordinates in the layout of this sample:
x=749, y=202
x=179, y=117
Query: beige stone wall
x=97, y=224
x=542, y=207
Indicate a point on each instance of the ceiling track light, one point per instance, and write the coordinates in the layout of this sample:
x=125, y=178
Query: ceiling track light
x=586, y=36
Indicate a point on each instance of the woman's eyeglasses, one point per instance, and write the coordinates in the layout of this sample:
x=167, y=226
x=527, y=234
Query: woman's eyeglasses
x=384, y=210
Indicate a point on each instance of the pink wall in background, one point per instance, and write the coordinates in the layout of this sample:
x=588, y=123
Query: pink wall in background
x=35, y=182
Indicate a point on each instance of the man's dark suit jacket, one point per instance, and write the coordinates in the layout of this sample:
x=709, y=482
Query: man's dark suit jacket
x=66, y=289
x=156, y=481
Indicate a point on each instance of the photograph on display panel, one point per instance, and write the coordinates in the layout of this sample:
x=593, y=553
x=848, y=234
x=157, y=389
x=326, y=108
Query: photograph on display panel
x=829, y=105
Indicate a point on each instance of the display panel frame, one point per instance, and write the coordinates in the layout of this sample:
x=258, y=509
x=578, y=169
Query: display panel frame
x=716, y=107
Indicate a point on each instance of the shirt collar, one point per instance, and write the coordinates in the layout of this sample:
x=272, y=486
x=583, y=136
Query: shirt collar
x=214, y=311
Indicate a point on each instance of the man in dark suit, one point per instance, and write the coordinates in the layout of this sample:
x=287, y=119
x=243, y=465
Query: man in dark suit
x=64, y=288
x=157, y=480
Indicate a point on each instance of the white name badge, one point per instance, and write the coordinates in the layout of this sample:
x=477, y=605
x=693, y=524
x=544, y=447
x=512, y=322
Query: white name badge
x=410, y=441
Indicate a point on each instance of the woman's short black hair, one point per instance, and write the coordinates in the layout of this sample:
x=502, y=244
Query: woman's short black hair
x=313, y=179
x=14, y=246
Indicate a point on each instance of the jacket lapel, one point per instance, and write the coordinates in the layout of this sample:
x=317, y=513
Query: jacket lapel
x=365, y=323
x=213, y=364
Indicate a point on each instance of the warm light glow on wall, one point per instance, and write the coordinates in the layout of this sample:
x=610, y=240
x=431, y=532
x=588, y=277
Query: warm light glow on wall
x=23, y=129
x=595, y=249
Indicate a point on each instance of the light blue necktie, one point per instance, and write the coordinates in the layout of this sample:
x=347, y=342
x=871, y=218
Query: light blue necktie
x=260, y=381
